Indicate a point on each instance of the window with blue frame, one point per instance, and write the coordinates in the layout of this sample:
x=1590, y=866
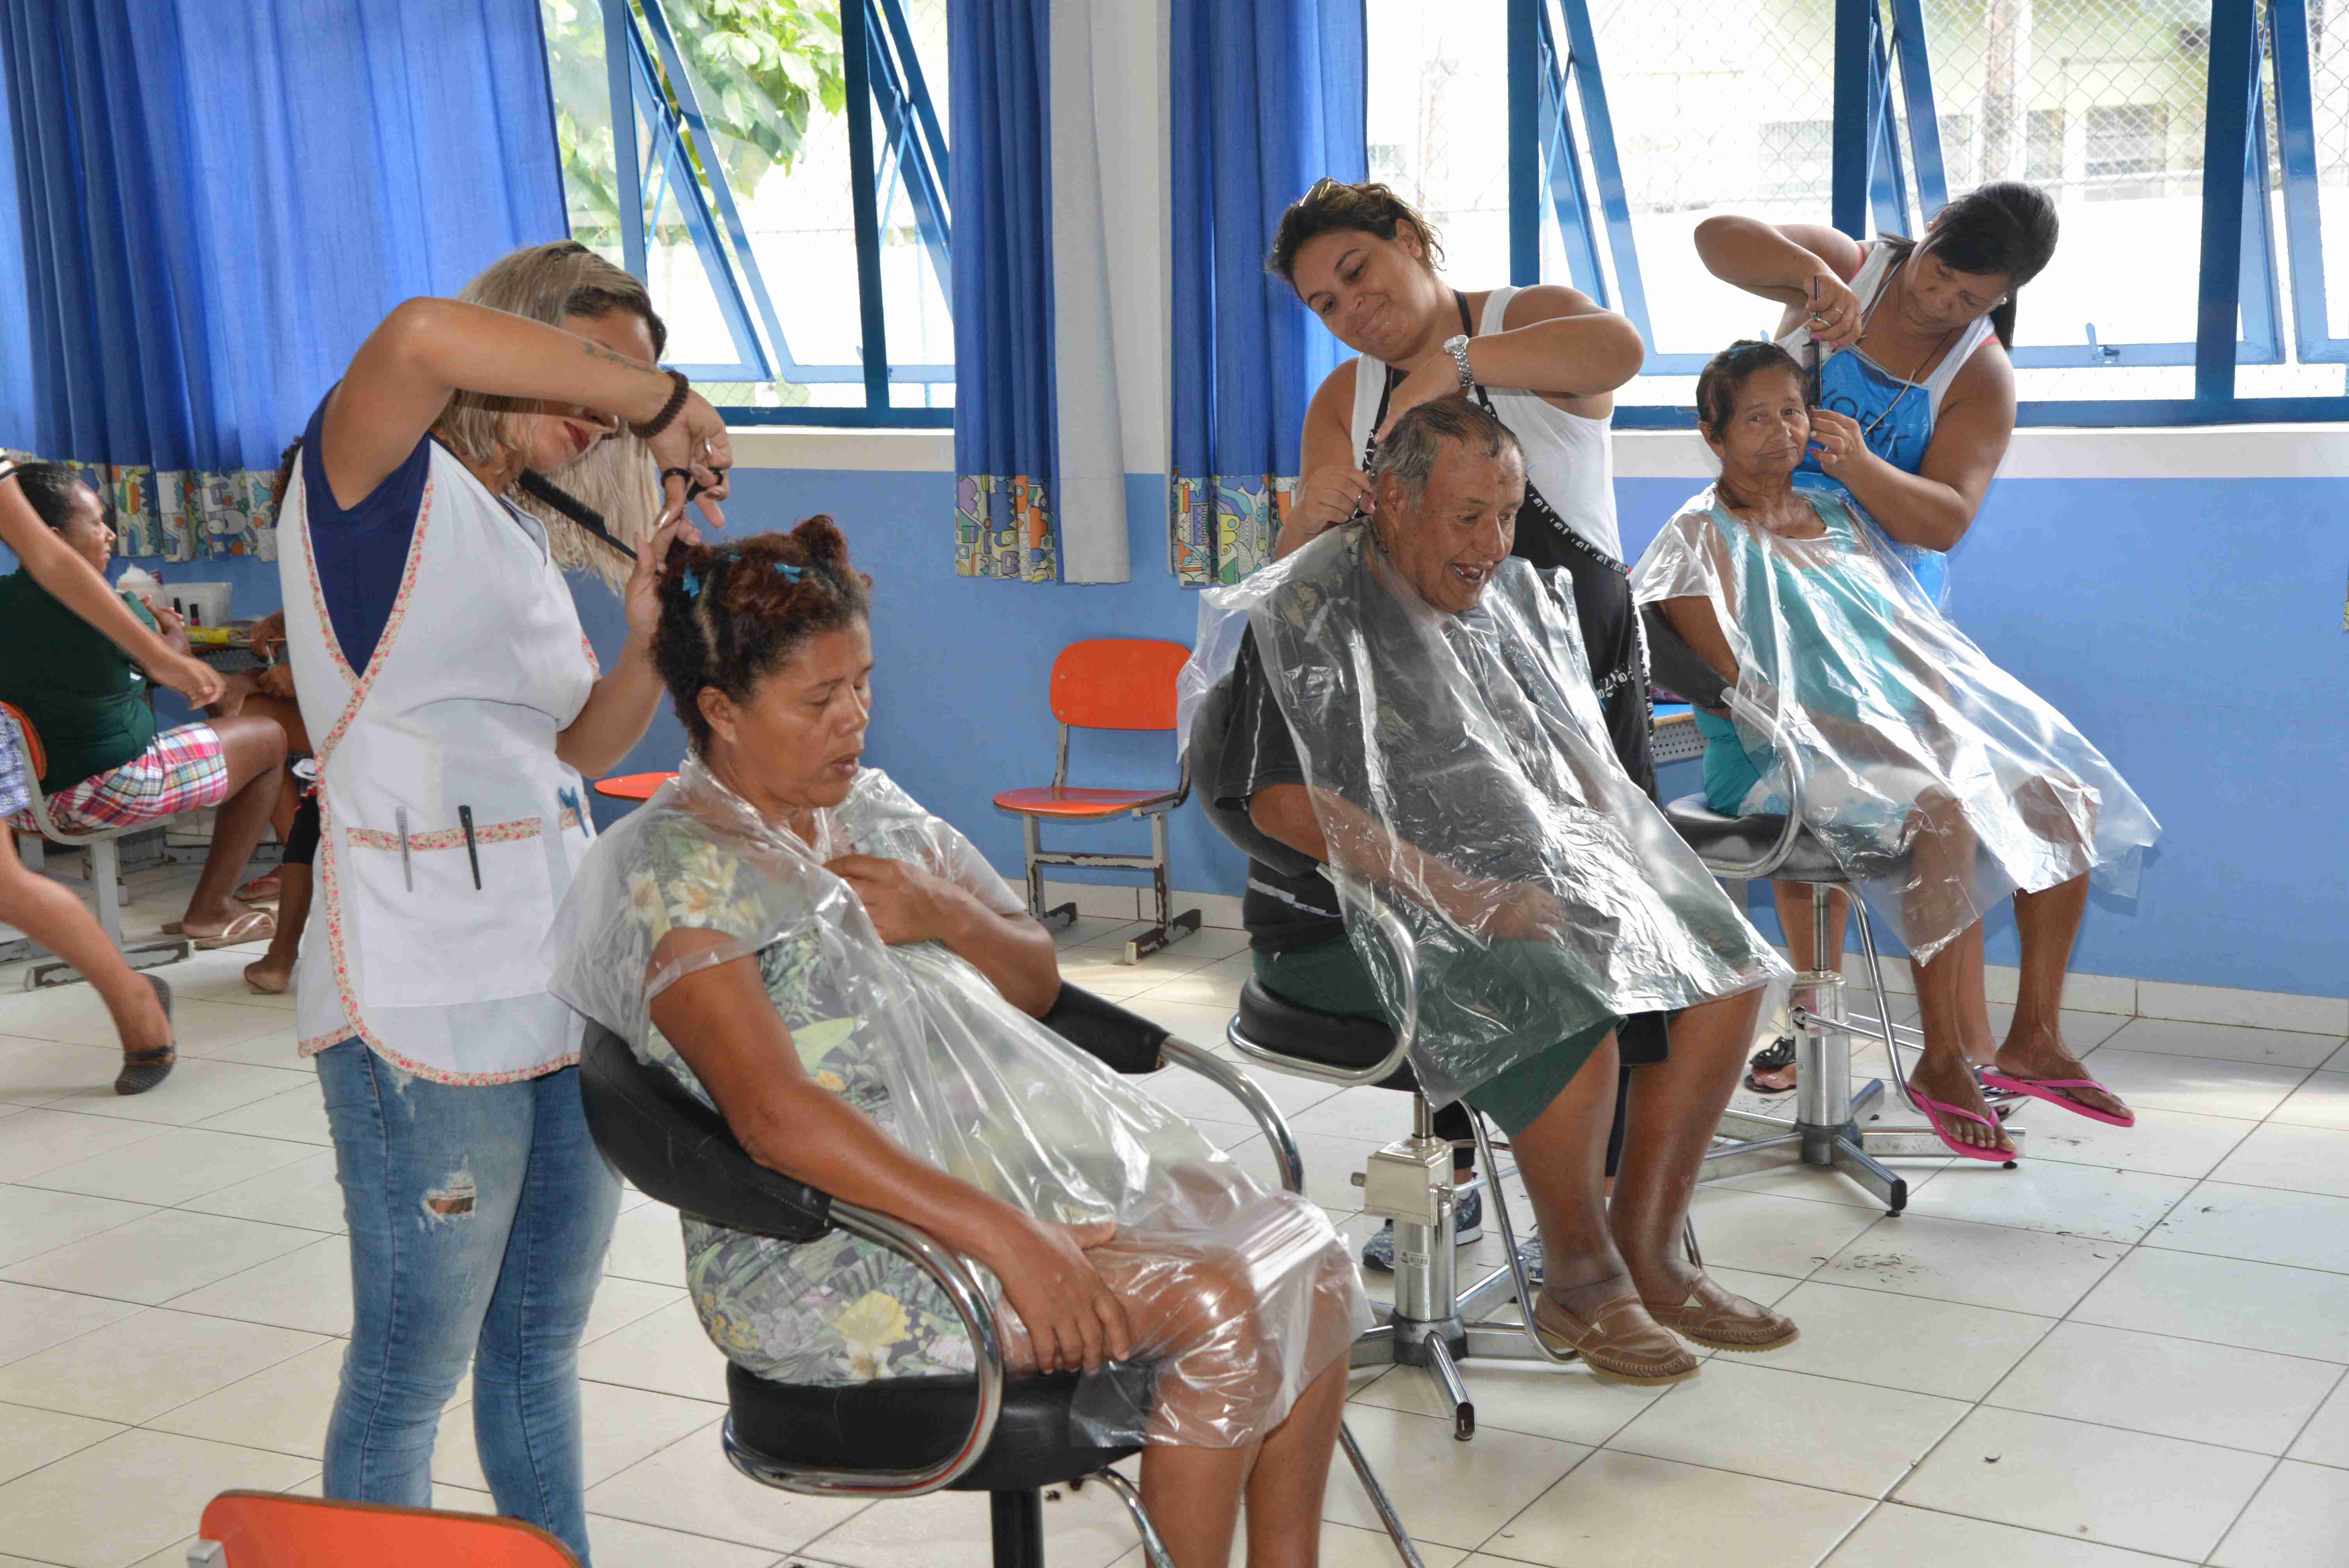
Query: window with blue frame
x=2177, y=297
x=776, y=172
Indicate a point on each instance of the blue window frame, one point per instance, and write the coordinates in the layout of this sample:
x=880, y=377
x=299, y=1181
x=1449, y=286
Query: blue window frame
x=799, y=248
x=2259, y=93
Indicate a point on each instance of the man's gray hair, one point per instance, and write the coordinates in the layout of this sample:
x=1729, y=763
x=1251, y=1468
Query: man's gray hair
x=1409, y=451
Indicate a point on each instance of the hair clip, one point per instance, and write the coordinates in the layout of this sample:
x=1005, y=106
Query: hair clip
x=789, y=573
x=692, y=584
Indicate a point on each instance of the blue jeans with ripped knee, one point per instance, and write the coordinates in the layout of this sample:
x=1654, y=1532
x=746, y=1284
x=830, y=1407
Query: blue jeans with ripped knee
x=478, y=1218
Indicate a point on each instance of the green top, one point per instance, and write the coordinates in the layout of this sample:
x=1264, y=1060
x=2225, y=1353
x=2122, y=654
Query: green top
x=85, y=695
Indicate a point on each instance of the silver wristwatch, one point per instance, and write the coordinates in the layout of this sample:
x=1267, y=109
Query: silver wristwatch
x=1456, y=346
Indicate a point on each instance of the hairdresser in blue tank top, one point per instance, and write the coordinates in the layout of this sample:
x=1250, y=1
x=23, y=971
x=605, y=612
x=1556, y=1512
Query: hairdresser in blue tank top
x=1913, y=400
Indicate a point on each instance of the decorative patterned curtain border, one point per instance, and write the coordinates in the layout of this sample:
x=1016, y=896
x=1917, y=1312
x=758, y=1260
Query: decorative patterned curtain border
x=1003, y=528
x=1223, y=527
x=183, y=516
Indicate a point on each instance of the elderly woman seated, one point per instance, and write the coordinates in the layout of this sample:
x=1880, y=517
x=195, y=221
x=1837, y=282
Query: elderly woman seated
x=1409, y=707
x=844, y=978
x=1937, y=781
x=107, y=767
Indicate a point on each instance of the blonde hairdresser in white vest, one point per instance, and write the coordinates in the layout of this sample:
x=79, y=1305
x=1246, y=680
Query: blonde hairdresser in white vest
x=458, y=711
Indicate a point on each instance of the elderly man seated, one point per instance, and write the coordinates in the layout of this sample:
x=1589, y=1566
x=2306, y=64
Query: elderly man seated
x=1410, y=708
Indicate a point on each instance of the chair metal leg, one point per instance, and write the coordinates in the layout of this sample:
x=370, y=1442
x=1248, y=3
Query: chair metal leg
x=104, y=862
x=1018, y=1521
x=105, y=880
x=1167, y=928
x=1379, y=1500
x=1032, y=836
x=1123, y=1491
x=1447, y=1377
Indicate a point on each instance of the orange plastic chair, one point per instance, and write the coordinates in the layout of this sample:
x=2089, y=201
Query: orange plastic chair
x=269, y=1530
x=632, y=786
x=1108, y=683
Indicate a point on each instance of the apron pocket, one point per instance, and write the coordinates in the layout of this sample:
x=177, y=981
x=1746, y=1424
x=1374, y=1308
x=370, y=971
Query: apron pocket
x=445, y=943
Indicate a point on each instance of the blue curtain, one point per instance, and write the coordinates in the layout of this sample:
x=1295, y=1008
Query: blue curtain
x=1000, y=192
x=217, y=200
x=1268, y=98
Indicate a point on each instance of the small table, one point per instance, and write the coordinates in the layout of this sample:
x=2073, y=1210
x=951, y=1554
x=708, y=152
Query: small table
x=236, y=658
x=632, y=786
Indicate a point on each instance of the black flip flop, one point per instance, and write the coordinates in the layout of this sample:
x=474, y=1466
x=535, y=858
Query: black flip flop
x=1776, y=1056
x=142, y=1070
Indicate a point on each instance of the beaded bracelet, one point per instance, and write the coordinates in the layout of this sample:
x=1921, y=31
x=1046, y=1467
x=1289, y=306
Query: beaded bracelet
x=660, y=421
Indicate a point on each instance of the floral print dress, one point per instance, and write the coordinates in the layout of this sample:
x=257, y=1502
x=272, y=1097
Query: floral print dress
x=837, y=1310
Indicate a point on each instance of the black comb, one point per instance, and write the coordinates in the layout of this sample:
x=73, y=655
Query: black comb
x=540, y=488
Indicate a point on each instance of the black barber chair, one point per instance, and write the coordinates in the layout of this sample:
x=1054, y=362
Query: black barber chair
x=1433, y=1324
x=1825, y=1129
x=998, y=1432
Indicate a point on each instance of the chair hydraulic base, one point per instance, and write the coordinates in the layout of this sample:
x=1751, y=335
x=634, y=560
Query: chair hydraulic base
x=1826, y=1130
x=1433, y=1324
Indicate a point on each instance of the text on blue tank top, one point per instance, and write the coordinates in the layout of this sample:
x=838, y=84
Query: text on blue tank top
x=1896, y=429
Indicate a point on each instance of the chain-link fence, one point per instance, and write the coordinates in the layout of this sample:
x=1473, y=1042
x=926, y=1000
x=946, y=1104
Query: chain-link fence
x=1729, y=107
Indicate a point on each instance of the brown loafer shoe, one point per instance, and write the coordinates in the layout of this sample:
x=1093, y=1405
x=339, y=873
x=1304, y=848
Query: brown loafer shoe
x=1622, y=1341
x=1719, y=1320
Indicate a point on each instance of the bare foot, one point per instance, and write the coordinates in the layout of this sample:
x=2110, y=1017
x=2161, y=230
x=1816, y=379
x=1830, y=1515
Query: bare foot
x=269, y=976
x=233, y=910
x=2039, y=1053
x=1945, y=1076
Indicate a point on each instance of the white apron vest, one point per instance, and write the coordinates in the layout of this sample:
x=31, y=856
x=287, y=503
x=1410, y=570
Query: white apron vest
x=482, y=665
x=1569, y=458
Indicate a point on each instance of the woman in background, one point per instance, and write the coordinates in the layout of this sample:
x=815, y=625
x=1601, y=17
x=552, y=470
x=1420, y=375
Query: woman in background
x=140, y=1005
x=107, y=765
x=1912, y=392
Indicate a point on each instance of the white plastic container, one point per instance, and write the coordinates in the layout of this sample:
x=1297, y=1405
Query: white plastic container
x=201, y=603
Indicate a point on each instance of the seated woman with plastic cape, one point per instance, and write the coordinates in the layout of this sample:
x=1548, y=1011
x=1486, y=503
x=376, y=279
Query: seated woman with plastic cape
x=1402, y=702
x=843, y=977
x=1939, y=782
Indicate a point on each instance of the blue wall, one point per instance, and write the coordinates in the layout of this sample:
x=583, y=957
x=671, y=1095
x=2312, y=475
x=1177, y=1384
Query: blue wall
x=2190, y=627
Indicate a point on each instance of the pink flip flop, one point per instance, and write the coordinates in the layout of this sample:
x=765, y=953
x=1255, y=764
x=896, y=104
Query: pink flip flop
x=1934, y=1110
x=2045, y=1088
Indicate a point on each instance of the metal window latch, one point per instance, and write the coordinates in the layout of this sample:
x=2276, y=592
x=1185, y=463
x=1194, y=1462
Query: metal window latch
x=2102, y=353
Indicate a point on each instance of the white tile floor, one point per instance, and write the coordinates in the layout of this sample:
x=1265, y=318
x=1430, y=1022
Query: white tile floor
x=2130, y=1350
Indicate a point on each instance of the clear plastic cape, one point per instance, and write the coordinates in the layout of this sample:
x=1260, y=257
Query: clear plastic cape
x=973, y=1085
x=1460, y=772
x=1937, y=780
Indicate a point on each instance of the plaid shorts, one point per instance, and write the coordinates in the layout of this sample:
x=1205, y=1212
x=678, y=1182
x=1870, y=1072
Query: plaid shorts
x=184, y=771
x=13, y=793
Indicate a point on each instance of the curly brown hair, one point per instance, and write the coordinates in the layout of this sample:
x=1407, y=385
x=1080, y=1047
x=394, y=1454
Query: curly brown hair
x=733, y=614
x=1369, y=208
